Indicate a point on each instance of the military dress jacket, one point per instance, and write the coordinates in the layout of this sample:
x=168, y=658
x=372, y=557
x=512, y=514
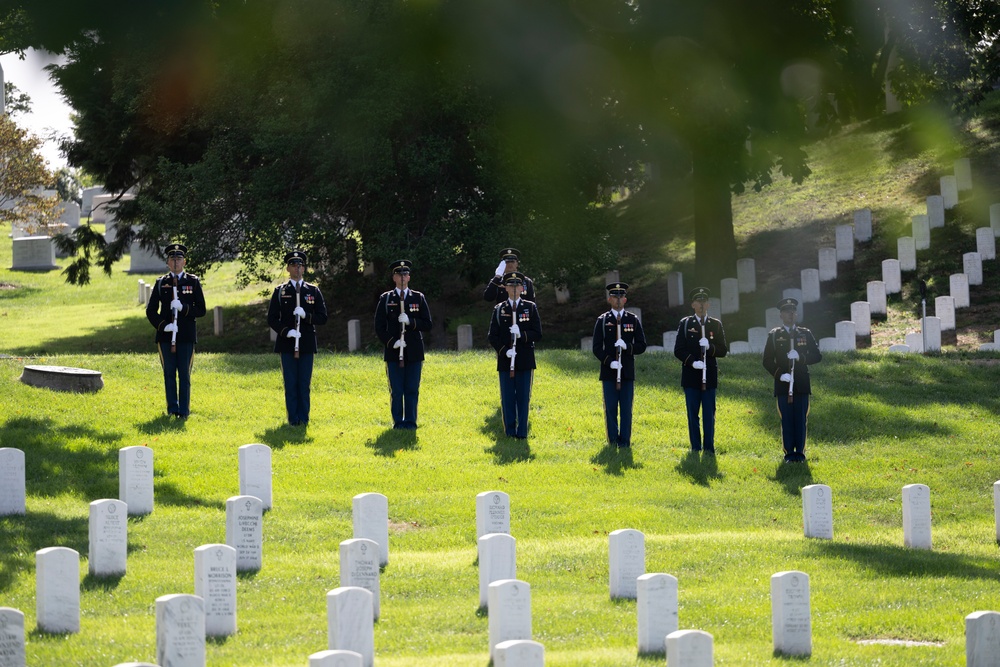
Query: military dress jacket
x=158, y=310
x=495, y=292
x=687, y=348
x=281, y=317
x=776, y=361
x=605, y=336
x=388, y=328
x=530, y=324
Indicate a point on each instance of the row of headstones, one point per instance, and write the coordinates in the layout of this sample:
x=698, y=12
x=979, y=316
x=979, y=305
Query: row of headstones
x=38, y=253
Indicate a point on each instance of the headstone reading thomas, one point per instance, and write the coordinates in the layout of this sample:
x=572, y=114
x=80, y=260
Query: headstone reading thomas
x=359, y=567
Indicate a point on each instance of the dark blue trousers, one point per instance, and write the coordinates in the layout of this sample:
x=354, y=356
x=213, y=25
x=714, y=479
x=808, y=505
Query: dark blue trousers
x=297, y=375
x=793, y=425
x=704, y=400
x=618, y=409
x=177, y=376
x=515, y=395
x=404, y=388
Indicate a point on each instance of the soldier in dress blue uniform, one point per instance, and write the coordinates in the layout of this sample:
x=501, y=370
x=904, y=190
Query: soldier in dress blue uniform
x=495, y=292
x=618, y=337
x=401, y=315
x=788, y=353
x=700, y=341
x=172, y=313
x=514, y=328
x=296, y=309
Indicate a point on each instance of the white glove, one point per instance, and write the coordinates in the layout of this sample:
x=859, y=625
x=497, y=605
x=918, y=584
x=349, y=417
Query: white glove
x=292, y=333
x=793, y=355
x=615, y=365
x=510, y=353
x=299, y=312
x=170, y=328
x=398, y=344
x=515, y=331
x=786, y=377
x=704, y=343
x=698, y=365
x=621, y=343
x=176, y=305
x=403, y=318
x=501, y=268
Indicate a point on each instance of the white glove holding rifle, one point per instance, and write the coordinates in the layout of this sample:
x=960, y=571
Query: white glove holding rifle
x=615, y=365
x=704, y=343
x=515, y=331
x=399, y=344
x=170, y=328
x=793, y=355
x=621, y=343
x=176, y=305
x=511, y=352
x=292, y=333
x=698, y=365
x=403, y=318
x=299, y=312
x=786, y=377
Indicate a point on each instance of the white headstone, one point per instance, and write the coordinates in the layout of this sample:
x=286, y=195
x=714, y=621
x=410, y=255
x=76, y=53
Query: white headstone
x=986, y=243
x=370, y=519
x=996, y=337
x=828, y=344
x=354, y=335
x=245, y=531
x=715, y=307
x=737, y=347
x=827, y=264
x=464, y=337
x=996, y=507
x=863, y=225
x=88, y=198
x=944, y=309
x=921, y=232
x=817, y=511
x=510, y=612
x=845, y=243
x=215, y=583
x=995, y=219
x=99, y=213
x=906, y=250
x=492, y=514
x=757, y=339
x=982, y=639
x=972, y=264
x=180, y=630
x=587, y=344
x=612, y=276
x=57, y=590
x=336, y=659
x=810, y=285
x=935, y=211
x=861, y=314
x=135, y=479
x=949, y=192
x=791, y=623
x=891, y=276
x=915, y=342
x=359, y=567
x=33, y=253
x=772, y=318
x=675, y=289
x=143, y=261
x=746, y=275
x=217, y=322
x=497, y=561
x=562, y=295
x=846, y=336
x=108, y=530
x=729, y=290
x=958, y=284
x=876, y=297
x=917, y=516
x=519, y=653
x=656, y=609
x=626, y=561
x=69, y=214
x=899, y=349
x=12, y=486
x=963, y=174
x=932, y=334
x=12, y=642
x=669, y=340
x=689, y=648
x=255, y=473
x=350, y=624
x=142, y=292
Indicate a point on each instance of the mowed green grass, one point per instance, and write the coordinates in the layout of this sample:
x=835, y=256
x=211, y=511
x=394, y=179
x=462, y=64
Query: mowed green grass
x=723, y=528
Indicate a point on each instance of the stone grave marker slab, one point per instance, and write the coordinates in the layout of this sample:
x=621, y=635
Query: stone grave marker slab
x=963, y=174
x=519, y=653
x=982, y=639
x=729, y=291
x=510, y=612
x=562, y=296
x=996, y=507
x=215, y=584
x=689, y=648
x=932, y=334
x=626, y=561
x=921, y=230
x=99, y=211
x=935, y=211
x=57, y=590
x=669, y=340
x=915, y=342
x=746, y=275
x=135, y=479
x=863, y=225
x=245, y=531
x=772, y=318
x=949, y=192
x=899, y=349
x=336, y=659
x=972, y=264
x=12, y=642
x=715, y=307
x=465, y=337
x=995, y=219
x=350, y=624
x=217, y=321
x=492, y=514
x=844, y=239
x=497, y=561
x=944, y=309
x=846, y=336
x=656, y=609
x=587, y=344
x=33, y=253
x=828, y=344
x=87, y=197
x=986, y=243
x=891, y=276
x=108, y=529
x=817, y=511
x=791, y=625
x=827, y=264
x=810, y=285
x=737, y=347
x=757, y=339
x=255, y=473
x=876, y=297
x=675, y=289
x=612, y=276
x=63, y=378
x=958, y=284
x=906, y=251
x=12, y=485
x=917, y=516
x=143, y=261
x=69, y=214
x=861, y=314
x=180, y=630
x=359, y=567
x=637, y=312
x=370, y=517
x=354, y=336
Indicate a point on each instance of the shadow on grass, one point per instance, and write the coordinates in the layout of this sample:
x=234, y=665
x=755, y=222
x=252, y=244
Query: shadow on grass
x=506, y=449
x=793, y=476
x=22, y=536
x=393, y=440
x=286, y=434
x=898, y=561
x=614, y=460
x=161, y=424
x=105, y=583
x=701, y=469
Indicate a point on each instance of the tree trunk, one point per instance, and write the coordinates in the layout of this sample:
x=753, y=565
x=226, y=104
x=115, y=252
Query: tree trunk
x=715, y=242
